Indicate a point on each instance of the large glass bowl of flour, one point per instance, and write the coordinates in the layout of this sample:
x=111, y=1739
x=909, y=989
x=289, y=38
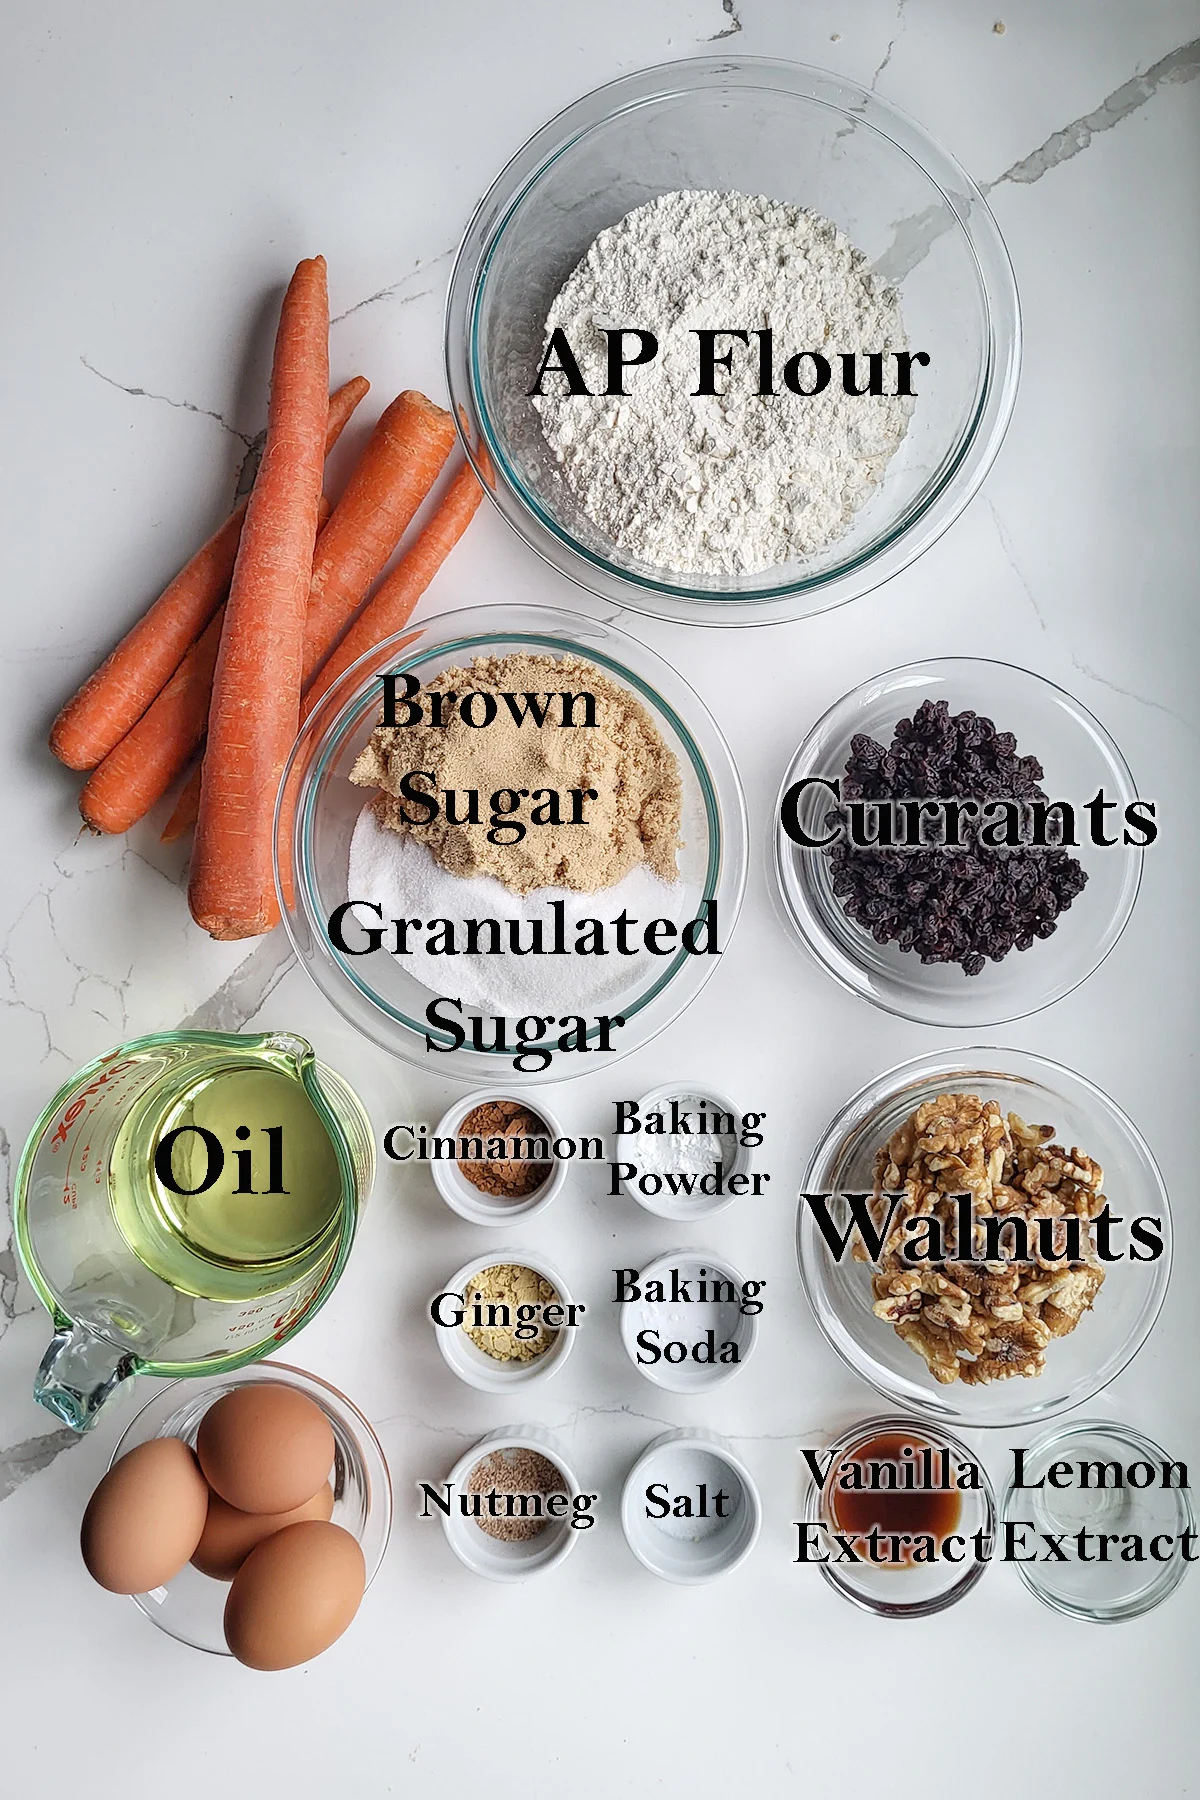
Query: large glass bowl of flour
x=752, y=127
x=387, y=996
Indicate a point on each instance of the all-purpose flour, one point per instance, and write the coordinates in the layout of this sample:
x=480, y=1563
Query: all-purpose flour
x=734, y=483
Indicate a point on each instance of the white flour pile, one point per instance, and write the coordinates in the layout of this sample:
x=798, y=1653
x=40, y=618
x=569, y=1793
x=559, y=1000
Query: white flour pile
x=734, y=483
x=403, y=879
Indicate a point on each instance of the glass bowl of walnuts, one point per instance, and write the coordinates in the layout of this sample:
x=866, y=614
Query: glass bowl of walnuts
x=1006, y=1231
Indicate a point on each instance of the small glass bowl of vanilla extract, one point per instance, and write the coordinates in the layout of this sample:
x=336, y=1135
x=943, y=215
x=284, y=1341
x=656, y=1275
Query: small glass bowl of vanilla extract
x=904, y=1516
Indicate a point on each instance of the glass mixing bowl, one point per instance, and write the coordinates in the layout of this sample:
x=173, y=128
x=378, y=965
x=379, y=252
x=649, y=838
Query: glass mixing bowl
x=794, y=134
x=1077, y=1365
x=1079, y=758
x=319, y=809
x=192, y=1606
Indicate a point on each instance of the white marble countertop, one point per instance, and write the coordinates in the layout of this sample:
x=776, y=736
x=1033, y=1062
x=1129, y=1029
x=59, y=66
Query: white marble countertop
x=165, y=167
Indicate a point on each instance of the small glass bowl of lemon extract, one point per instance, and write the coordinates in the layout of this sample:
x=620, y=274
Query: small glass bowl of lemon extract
x=902, y=1520
x=1117, y=1509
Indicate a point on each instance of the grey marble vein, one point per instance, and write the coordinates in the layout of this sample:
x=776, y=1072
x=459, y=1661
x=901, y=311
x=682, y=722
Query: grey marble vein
x=913, y=237
x=1179, y=65
x=394, y=288
x=1084, y=668
x=243, y=993
x=1006, y=546
x=19, y=1461
x=247, y=473
x=1128, y=694
x=141, y=393
x=892, y=42
x=732, y=28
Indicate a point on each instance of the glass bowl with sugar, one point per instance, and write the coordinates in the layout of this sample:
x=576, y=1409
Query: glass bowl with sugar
x=455, y=882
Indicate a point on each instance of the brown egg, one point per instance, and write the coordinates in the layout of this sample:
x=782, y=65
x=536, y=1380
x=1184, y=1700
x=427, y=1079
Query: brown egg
x=229, y=1535
x=294, y=1595
x=145, y=1519
x=265, y=1447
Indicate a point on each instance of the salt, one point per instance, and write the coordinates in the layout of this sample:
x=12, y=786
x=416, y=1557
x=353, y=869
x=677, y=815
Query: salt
x=684, y=1471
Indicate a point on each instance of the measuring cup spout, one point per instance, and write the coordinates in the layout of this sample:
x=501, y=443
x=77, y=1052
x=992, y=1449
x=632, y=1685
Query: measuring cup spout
x=78, y=1373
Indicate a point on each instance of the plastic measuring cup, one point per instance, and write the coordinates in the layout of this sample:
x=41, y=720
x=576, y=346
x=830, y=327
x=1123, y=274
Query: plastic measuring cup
x=91, y=1160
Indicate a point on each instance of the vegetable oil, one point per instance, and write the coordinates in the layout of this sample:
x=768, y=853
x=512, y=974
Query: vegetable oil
x=226, y=1185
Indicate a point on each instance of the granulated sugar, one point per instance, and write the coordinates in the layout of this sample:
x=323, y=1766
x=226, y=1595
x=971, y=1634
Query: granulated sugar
x=402, y=878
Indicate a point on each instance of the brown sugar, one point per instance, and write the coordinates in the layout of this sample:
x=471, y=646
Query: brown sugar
x=621, y=758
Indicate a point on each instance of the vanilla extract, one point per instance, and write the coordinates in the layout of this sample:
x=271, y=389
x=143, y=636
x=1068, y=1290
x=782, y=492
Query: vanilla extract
x=900, y=1487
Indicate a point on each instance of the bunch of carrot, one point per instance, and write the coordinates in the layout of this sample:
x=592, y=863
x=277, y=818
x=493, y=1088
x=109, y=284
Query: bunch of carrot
x=263, y=620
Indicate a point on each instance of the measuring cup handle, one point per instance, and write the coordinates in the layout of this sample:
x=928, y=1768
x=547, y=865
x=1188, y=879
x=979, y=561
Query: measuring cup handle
x=78, y=1373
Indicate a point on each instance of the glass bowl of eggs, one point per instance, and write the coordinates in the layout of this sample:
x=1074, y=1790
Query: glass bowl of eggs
x=354, y=1492
x=850, y=482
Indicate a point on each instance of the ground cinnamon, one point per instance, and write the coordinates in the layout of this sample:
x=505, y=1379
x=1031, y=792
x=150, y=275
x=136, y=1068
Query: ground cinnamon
x=509, y=1124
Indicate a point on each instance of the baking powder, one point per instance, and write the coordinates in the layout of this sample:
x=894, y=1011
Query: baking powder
x=695, y=1154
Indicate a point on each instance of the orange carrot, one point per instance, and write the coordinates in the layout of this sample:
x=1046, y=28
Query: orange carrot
x=186, y=808
x=114, y=698
x=343, y=404
x=135, y=776
x=256, y=689
x=401, y=462
x=395, y=600
x=147, y=760
x=389, y=610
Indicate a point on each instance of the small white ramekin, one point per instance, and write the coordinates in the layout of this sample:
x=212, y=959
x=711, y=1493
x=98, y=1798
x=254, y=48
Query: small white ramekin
x=500, y=1559
x=470, y=1202
x=688, y=1377
x=475, y=1366
x=689, y=1561
x=678, y=1206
